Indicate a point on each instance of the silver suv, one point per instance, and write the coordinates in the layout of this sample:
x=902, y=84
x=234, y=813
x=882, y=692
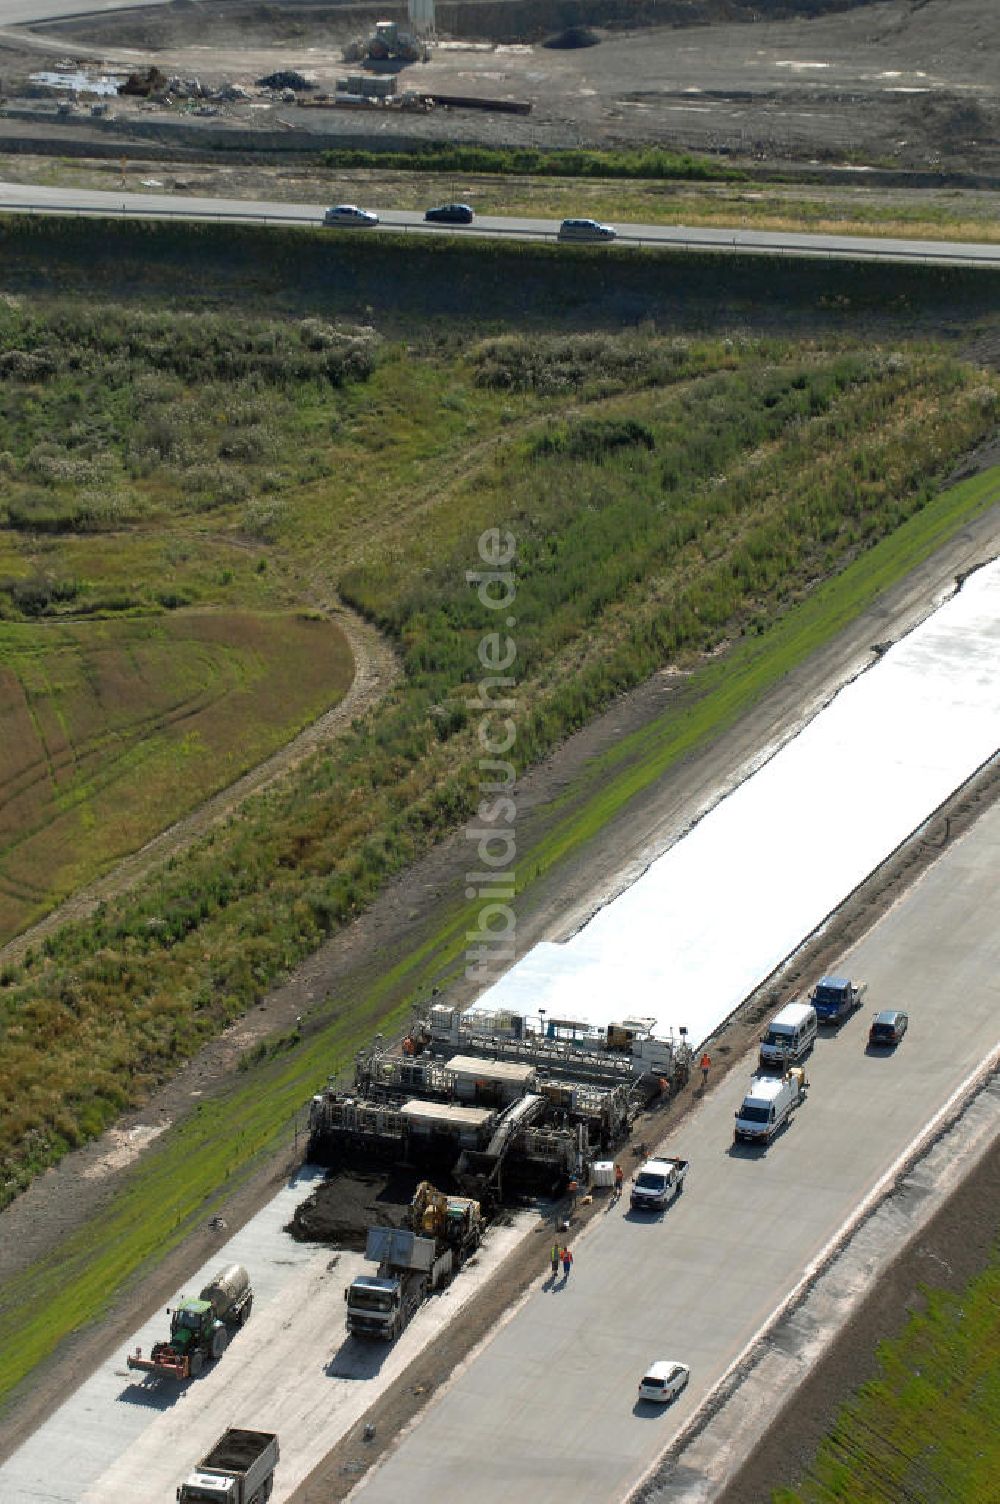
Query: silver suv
x=586, y=229
x=349, y=214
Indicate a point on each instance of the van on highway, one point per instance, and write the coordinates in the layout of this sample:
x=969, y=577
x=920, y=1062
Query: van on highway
x=767, y=1106
x=790, y=1036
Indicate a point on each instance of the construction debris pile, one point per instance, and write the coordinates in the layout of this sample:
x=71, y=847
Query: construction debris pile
x=286, y=78
x=342, y=1208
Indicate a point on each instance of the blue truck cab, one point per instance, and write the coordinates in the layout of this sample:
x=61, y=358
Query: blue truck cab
x=836, y=998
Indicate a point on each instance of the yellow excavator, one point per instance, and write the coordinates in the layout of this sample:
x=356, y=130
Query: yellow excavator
x=454, y=1222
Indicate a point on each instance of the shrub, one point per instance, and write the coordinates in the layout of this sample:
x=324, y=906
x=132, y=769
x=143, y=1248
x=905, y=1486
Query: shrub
x=594, y=440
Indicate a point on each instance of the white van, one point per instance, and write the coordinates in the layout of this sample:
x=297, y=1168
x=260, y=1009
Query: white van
x=790, y=1036
x=767, y=1104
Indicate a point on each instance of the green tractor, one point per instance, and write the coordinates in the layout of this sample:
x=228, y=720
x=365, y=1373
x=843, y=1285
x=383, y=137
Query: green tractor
x=200, y=1329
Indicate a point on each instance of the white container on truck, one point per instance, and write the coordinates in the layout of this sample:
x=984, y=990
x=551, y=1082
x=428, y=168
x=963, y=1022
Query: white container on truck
x=790, y=1036
x=238, y=1470
x=657, y=1183
x=768, y=1104
x=200, y=1329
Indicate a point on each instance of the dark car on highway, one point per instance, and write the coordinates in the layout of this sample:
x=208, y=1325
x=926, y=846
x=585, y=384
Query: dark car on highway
x=450, y=214
x=887, y=1028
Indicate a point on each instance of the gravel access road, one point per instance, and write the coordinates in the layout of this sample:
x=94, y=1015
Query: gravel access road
x=19, y=12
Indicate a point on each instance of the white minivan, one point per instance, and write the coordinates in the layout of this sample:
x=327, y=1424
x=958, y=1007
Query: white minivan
x=790, y=1036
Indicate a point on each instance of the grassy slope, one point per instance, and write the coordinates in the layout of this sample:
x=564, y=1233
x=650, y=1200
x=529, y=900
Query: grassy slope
x=113, y=728
x=928, y=1428
x=187, y=1170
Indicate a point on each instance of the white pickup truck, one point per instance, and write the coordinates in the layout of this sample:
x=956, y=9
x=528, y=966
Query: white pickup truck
x=657, y=1183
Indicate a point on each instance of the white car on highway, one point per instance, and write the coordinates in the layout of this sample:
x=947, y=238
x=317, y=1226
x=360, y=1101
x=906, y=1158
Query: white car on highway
x=349, y=214
x=663, y=1381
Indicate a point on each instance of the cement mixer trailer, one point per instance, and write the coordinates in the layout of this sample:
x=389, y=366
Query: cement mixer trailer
x=200, y=1329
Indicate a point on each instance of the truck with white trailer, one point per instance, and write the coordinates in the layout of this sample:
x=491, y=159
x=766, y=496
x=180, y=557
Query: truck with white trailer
x=200, y=1329
x=238, y=1470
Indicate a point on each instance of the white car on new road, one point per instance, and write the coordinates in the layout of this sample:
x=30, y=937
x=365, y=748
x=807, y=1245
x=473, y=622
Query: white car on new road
x=663, y=1381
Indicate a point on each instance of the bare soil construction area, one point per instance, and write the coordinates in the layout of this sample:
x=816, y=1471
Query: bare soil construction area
x=341, y=1208
x=911, y=84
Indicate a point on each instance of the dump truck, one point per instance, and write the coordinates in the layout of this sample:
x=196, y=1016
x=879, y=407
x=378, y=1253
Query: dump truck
x=200, y=1329
x=836, y=998
x=238, y=1470
x=409, y=1268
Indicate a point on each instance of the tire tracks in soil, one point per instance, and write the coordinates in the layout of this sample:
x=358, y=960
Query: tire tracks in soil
x=376, y=668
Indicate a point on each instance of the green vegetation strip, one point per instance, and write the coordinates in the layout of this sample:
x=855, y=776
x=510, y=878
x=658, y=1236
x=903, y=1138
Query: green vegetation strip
x=185, y=1172
x=650, y=162
x=928, y=1428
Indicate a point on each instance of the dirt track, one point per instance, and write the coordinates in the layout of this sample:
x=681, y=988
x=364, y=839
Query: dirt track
x=375, y=668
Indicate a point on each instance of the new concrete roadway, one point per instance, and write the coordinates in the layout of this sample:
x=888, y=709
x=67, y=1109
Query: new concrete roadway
x=28, y=198
x=547, y=1411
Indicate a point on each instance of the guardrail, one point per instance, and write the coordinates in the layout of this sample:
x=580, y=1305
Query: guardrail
x=948, y=255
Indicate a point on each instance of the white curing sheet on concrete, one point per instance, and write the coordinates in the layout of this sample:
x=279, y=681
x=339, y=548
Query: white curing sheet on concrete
x=717, y=912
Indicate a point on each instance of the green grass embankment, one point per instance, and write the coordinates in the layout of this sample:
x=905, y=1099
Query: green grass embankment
x=450, y=283
x=927, y=1429
x=669, y=498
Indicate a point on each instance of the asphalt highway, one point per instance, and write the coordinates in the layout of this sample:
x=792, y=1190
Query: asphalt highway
x=20, y=12
x=28, y=198
x=548, y=1410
